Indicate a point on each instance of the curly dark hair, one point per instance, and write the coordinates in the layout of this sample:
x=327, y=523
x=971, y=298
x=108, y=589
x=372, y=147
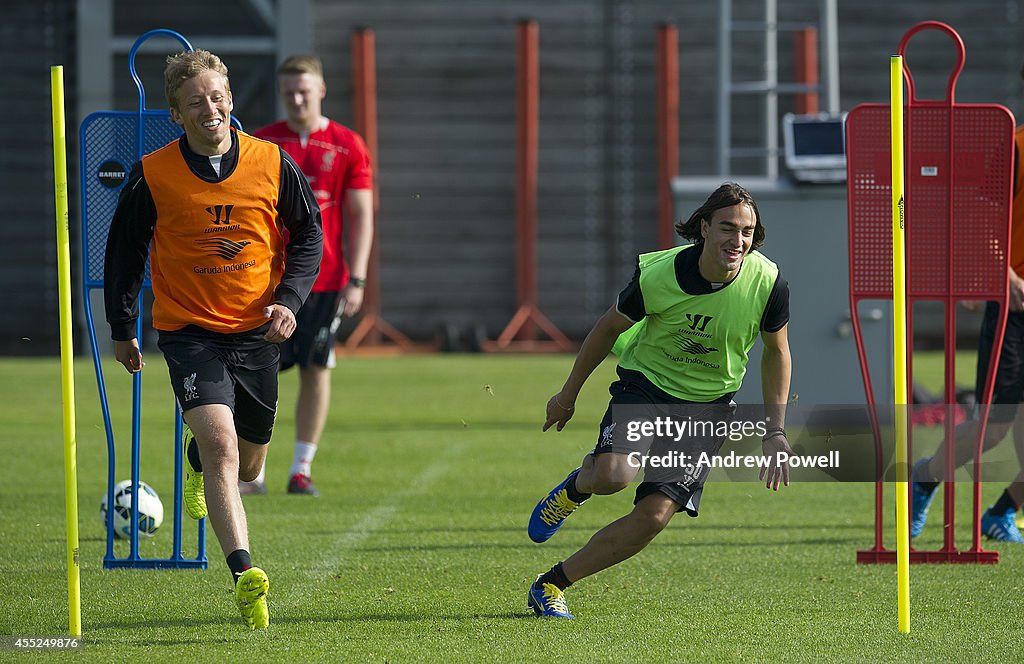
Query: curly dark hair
x=727, y=195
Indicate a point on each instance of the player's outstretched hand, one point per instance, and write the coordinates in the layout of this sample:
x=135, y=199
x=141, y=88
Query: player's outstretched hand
x=353, y=300
x=128, y=354
x=773, y=443
x=282, y=323
x=560, y=410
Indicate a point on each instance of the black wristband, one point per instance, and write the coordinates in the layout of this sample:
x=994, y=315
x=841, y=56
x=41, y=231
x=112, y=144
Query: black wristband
x=358, y=282
x=773, y=432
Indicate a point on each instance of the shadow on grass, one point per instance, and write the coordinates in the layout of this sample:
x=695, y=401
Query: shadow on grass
x=687, y=524
x=405, y=617
x=517, y=530
x=94, y=639
x=778, y=526
x=149, y=624
x=415, y=531
x=660, y=543
x=456, y=424
x=147, y=643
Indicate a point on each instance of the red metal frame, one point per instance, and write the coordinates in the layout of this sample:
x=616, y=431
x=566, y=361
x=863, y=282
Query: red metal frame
x=805, y=61
x=521, y=331
x=372, y=330
x=667, y=86
x=866, y=251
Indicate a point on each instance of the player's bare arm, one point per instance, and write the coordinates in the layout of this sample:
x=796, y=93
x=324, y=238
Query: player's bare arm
x=595, y=348
x=359, y=218
x=776, y=373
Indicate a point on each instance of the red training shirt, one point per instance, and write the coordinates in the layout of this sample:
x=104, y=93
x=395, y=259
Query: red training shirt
x=334, y=159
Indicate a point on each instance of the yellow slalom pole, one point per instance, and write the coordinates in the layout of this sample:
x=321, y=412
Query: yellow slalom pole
x=67, y=374
x=899, y=308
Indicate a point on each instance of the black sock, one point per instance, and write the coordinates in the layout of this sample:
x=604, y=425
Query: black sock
x=1005, y=504
x=927, y=485
x=192, y=452
x=555, y=576
x=238, y=562
x=573, y=493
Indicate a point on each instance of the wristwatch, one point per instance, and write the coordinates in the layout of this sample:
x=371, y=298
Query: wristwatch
x=358, y=282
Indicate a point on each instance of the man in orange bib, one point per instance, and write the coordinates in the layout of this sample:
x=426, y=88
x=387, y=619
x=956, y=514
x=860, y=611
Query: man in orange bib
x=233, y=235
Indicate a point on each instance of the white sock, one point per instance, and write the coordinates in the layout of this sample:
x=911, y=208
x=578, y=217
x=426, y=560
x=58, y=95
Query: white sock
x=303, y=459
x=259, y=478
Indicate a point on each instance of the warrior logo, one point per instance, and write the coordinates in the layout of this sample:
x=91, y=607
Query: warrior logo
x=694, y=347
x=190, y=388
x=215, y=211
x=223, y=247
x=698, y=322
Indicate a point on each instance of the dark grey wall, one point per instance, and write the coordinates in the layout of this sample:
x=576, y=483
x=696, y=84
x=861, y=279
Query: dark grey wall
x=446, y=73
x=446, y=85
x=33, y=37
x=252, y=79
x=446, y=112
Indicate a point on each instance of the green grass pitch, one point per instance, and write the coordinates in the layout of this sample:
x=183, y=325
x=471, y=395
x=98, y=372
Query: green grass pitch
x=417, y=550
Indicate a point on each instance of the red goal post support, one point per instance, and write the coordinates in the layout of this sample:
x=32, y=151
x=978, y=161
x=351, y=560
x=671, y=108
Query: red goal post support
x=372, y=330
x=521, y=332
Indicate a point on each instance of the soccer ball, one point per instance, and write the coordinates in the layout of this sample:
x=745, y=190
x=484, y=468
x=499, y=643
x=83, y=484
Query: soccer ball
x=151, y=510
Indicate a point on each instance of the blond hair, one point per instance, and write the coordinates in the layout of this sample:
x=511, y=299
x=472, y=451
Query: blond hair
x=301, y=64
x=187, y=65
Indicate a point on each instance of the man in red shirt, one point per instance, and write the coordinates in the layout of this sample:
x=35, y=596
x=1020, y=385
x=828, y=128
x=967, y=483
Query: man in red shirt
x=336, y=163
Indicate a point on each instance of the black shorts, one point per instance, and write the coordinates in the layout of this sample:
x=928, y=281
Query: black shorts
x=317, y=322
x=237, y=370
x=637, y=400
x=1009, y=383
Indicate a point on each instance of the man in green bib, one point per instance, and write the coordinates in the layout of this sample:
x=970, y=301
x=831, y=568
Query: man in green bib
x=682, y=328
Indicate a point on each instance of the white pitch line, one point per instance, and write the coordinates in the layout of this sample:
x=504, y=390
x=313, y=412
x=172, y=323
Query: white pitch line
x=366, y=526
x=381, y=515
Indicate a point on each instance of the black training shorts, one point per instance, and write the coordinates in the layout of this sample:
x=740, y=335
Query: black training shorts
x=316, y=324
x=1009, y=383
x=635, y=401
x=237, y=370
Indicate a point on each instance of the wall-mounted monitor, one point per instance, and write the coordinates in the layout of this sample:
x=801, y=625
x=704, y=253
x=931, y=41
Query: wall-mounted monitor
x=815, y=146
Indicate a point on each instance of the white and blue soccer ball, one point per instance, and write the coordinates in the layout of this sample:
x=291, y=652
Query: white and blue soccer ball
x=151, y=510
